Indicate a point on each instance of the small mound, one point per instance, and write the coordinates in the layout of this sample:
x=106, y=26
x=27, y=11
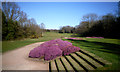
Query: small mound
x=52, y=49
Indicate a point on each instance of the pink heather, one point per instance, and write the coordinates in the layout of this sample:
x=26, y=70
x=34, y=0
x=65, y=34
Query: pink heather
x=94, y=37
x=52, y=49
x=74, y=38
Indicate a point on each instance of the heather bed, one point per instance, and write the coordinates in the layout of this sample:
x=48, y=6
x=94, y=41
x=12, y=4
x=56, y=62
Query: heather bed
x=52, y=49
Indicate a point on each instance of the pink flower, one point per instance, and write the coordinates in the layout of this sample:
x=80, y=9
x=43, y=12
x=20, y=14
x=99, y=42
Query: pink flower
x=52, y=49
x=94, y=37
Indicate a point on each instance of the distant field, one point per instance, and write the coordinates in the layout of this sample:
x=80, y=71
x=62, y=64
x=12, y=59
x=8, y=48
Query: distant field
x=10, y=45
x=108, y=49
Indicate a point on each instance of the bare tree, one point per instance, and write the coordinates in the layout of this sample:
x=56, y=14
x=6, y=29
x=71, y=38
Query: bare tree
x=90, y=18
x=32, y=24
x=42, y=27
x=11, y=10
x=22, y=18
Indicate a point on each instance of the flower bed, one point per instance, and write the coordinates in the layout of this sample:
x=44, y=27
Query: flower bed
x=94, y=37
x=52, y=49
x=74, y=38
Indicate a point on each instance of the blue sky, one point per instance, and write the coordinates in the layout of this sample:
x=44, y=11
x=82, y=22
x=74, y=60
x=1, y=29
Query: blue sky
x=57, y=14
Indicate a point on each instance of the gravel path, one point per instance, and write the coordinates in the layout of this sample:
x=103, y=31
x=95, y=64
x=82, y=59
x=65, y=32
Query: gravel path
x=18, y=59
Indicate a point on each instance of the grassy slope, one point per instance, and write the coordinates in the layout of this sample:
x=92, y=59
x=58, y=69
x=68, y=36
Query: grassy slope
x=109, y=49
x=10, y=45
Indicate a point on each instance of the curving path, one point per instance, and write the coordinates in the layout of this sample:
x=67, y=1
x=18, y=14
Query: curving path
x=18, y=59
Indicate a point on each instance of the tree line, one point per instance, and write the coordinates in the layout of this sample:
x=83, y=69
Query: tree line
x=93, y=25
x=16, y=25
x=66, y=29
x=106, y=26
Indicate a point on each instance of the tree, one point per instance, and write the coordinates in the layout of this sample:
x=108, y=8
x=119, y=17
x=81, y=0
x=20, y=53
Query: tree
x=119, y=9
x=66, y=29
x=90, y=18
x=4, y=26
x=11, y=10
x=107, y=26
x=82, y=27
x=22, y=18
x=108, y=23
x=15, y=23
x=42, y=27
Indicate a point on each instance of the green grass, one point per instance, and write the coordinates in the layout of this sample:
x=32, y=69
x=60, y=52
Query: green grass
x=10, y=45
x=108, y=49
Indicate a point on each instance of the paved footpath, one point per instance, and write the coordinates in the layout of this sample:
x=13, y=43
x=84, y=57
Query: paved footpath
x=18, y=59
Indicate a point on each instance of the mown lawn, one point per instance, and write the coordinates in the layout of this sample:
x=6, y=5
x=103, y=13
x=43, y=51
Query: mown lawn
x=108, y=49
x=10, y=45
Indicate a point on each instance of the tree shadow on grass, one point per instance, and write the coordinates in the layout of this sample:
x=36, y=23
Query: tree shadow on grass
x=99, y=46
